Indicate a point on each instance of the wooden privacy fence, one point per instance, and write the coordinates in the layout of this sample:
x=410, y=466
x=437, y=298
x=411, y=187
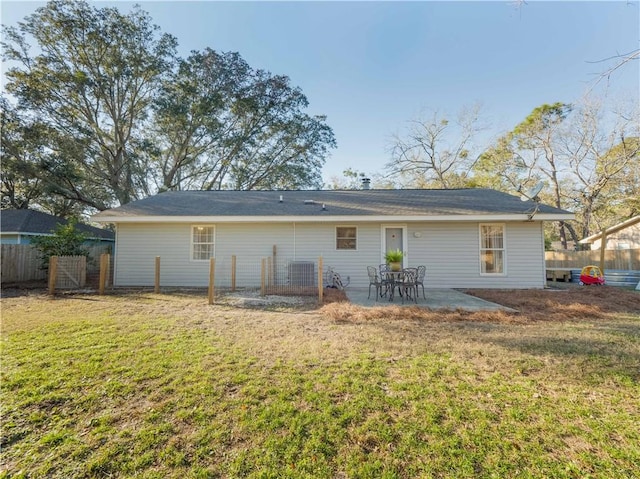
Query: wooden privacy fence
x=614, y=259
x=22, y=262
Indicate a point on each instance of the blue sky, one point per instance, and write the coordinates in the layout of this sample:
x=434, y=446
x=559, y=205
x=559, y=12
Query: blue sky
x=370, y=67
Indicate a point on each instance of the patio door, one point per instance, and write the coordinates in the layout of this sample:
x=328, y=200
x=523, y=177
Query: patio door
x=394, y=237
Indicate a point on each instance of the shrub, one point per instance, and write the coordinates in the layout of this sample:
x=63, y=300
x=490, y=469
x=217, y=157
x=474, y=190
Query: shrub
x=65, y=241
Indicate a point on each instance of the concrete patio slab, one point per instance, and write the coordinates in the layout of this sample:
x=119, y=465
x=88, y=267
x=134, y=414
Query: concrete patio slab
x=436, y=299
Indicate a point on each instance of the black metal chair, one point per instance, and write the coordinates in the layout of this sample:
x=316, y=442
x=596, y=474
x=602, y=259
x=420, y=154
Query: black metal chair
x=408, y=285
x=422, y=270
x=374, y=280
x=386, y=283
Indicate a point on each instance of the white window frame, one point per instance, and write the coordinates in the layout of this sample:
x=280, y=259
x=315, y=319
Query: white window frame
x=337, y=238
x=481, y=249
x=193, y=243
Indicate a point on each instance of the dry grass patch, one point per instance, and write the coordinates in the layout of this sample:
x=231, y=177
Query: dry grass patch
x=577, y=303
x=349, y=312
x=571, y=304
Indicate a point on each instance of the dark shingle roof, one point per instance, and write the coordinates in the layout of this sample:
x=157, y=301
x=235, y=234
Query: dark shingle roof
x=337, y=202
x=36, y=222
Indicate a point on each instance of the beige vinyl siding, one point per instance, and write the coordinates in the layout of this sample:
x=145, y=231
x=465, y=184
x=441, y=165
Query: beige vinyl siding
x=450, y=251
x=250, y=243
x=314, y=240
x=139, y=244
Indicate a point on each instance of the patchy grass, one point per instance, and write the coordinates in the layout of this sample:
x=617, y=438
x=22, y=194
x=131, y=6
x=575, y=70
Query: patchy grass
x=161, y=386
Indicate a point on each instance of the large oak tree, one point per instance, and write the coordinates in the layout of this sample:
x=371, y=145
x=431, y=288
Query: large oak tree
x=125, y=117
x=91, y=78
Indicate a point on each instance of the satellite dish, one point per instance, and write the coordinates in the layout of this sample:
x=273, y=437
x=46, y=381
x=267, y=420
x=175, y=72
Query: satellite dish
x=531, y=194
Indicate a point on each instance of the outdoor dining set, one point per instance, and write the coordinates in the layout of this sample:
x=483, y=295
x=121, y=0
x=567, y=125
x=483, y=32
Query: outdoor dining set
x=406, y=281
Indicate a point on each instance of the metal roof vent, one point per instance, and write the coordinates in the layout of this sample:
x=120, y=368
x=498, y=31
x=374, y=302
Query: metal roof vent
x=366, y=183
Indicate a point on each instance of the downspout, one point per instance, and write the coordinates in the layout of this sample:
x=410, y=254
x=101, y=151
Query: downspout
x=294, y=241
x=544, y=257
x=113, y=254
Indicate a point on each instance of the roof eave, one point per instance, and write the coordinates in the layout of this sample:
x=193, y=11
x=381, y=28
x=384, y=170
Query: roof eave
x=22, y=233
x=332, y=218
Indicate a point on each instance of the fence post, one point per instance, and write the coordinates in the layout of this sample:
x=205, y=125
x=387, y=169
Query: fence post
x=603, y=246
x=108, y=280
x=233, y=272
x=262, y=276
x=320, y=285
x=272, y=275
x=157, y=281
x=269, y=272
x=212, y=280
x=83, y=271
x=53, y=272
x=104, y=271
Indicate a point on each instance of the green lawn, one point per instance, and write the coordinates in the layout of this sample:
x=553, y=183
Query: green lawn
x=161, y=386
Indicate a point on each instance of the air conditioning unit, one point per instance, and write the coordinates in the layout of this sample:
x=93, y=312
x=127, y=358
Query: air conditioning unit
x=302, y=273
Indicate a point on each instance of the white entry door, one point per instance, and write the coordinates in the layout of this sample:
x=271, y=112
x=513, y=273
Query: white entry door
x=394, y=237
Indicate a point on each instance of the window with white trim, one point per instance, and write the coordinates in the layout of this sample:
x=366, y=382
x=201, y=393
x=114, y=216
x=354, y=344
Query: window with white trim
x=202, y=242
x=492, y=249
x=346, y=237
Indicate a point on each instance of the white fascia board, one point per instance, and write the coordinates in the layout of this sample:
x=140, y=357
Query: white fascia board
x=328, y=218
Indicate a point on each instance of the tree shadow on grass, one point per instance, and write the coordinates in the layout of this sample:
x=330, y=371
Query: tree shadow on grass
x=601, y=351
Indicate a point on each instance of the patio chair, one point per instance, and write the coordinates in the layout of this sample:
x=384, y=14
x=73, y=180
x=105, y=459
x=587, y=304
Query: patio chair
x=384, y=269
x=422, y=270
x=374, y=280
x=408, y=285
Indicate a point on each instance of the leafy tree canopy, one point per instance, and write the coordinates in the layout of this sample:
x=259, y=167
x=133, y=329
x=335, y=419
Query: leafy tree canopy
x=107, y=113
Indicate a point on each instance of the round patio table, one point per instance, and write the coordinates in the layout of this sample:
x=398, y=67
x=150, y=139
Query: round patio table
x=393, y=279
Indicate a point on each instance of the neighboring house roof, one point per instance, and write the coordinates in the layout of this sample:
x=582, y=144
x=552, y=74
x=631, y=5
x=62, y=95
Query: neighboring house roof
x=611, y=230
x=329, y=205
x=30, y=222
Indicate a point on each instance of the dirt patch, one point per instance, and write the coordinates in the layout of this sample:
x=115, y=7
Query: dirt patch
x=253, y=299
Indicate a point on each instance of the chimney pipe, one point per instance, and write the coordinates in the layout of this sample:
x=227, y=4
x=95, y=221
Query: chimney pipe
x=366, y=183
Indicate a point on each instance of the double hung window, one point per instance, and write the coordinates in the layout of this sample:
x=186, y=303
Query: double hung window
x=202, y=242
x=492, y=249
x=346, y=237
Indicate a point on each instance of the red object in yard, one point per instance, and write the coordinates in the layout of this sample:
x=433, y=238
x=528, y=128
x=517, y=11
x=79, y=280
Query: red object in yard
x=591, y=275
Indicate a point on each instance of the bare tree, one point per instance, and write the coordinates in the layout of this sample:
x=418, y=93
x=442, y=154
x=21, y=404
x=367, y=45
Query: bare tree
x=603, y=149
x=619, y=61
x=435, y=152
